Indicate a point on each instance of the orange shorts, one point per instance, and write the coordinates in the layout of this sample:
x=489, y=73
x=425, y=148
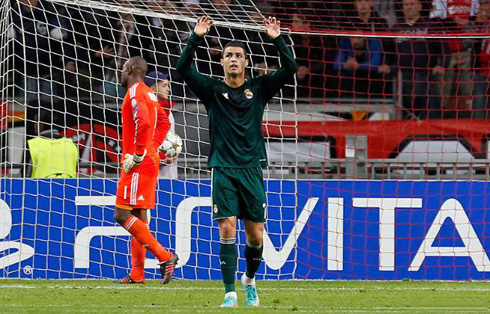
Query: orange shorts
x=136, y=190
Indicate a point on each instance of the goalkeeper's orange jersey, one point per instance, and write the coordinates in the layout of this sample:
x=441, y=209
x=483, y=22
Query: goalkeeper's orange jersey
x=144, y=125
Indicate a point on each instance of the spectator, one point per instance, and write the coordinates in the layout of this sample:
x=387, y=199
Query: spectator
x=160, y=83
x=386, y=9
x=116, y=37
x=92, y=51
x=319, y=13
x=166, y=35
x=481, y=77
x=443, y=9
x=266, y=7
x=457, y=77
x=420, y=62
x=358, y=61
x=49, y=155
x=42, y=48
x=365, y=19
x=309, y=51
x=78, y=83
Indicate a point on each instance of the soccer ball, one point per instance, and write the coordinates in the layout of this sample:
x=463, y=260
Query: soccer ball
x=172, y=145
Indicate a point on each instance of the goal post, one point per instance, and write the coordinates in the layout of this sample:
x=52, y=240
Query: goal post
x=378, y=149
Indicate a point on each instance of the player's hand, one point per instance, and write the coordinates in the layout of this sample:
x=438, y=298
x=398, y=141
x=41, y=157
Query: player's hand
x=272, y=27
x=105, y=52
x=203, y=26
x=384, y=69
x=438, y=70
x=171, y=159
x=131, y=161
x=351, y=64
x=302, y=72
x=70, y=66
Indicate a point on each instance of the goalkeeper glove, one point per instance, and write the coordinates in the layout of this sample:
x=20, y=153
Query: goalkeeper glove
x=131, y=161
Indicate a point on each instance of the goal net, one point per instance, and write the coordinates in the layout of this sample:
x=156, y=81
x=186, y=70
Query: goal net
x=377, y=149
x=62, y=64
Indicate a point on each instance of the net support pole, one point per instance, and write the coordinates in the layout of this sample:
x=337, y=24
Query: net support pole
x=356, y=156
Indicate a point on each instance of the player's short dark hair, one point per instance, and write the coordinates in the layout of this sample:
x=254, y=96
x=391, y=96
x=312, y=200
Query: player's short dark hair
x=235, y=43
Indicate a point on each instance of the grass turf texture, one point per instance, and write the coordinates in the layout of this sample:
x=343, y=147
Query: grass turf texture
x=101, y=296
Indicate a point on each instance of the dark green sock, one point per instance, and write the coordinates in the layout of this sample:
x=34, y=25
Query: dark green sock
x=253, y=256
x=228, y=258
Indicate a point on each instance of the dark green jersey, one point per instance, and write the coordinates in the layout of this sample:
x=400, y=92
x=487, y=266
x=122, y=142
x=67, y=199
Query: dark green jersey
x=235, y=114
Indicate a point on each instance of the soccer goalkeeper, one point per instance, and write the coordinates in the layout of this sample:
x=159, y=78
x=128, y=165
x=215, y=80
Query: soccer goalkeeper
x=144, y=128
x=235, y=107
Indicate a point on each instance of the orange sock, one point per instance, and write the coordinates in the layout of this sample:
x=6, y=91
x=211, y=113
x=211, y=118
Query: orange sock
x=139, y=231
x=138, y=255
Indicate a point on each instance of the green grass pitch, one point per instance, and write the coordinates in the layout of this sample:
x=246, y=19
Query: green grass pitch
x=182, y=296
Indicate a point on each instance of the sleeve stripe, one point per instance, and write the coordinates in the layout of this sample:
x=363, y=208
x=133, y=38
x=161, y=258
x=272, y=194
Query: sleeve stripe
x=132, y=90
x=156, y=121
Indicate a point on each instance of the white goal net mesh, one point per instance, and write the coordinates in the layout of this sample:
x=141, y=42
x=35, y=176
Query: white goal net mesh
x=59, y=67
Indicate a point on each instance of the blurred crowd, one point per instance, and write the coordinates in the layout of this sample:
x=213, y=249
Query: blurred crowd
x=75, y=52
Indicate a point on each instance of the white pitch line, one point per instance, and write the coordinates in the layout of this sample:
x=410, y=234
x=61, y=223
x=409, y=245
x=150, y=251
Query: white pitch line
x=132, y=287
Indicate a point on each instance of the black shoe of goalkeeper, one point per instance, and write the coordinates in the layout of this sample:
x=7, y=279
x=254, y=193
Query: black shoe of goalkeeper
x=167, y=269
x=128, y=281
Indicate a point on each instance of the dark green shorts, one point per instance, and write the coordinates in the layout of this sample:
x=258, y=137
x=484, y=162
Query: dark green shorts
x=238, y=192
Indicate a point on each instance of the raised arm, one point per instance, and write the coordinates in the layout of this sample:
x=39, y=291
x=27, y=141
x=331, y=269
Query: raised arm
x=276, y=80
x=200, y=84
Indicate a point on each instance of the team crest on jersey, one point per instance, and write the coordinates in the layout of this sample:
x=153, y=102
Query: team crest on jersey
x=215, y=208
x=152, y=96
x=248, y=94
